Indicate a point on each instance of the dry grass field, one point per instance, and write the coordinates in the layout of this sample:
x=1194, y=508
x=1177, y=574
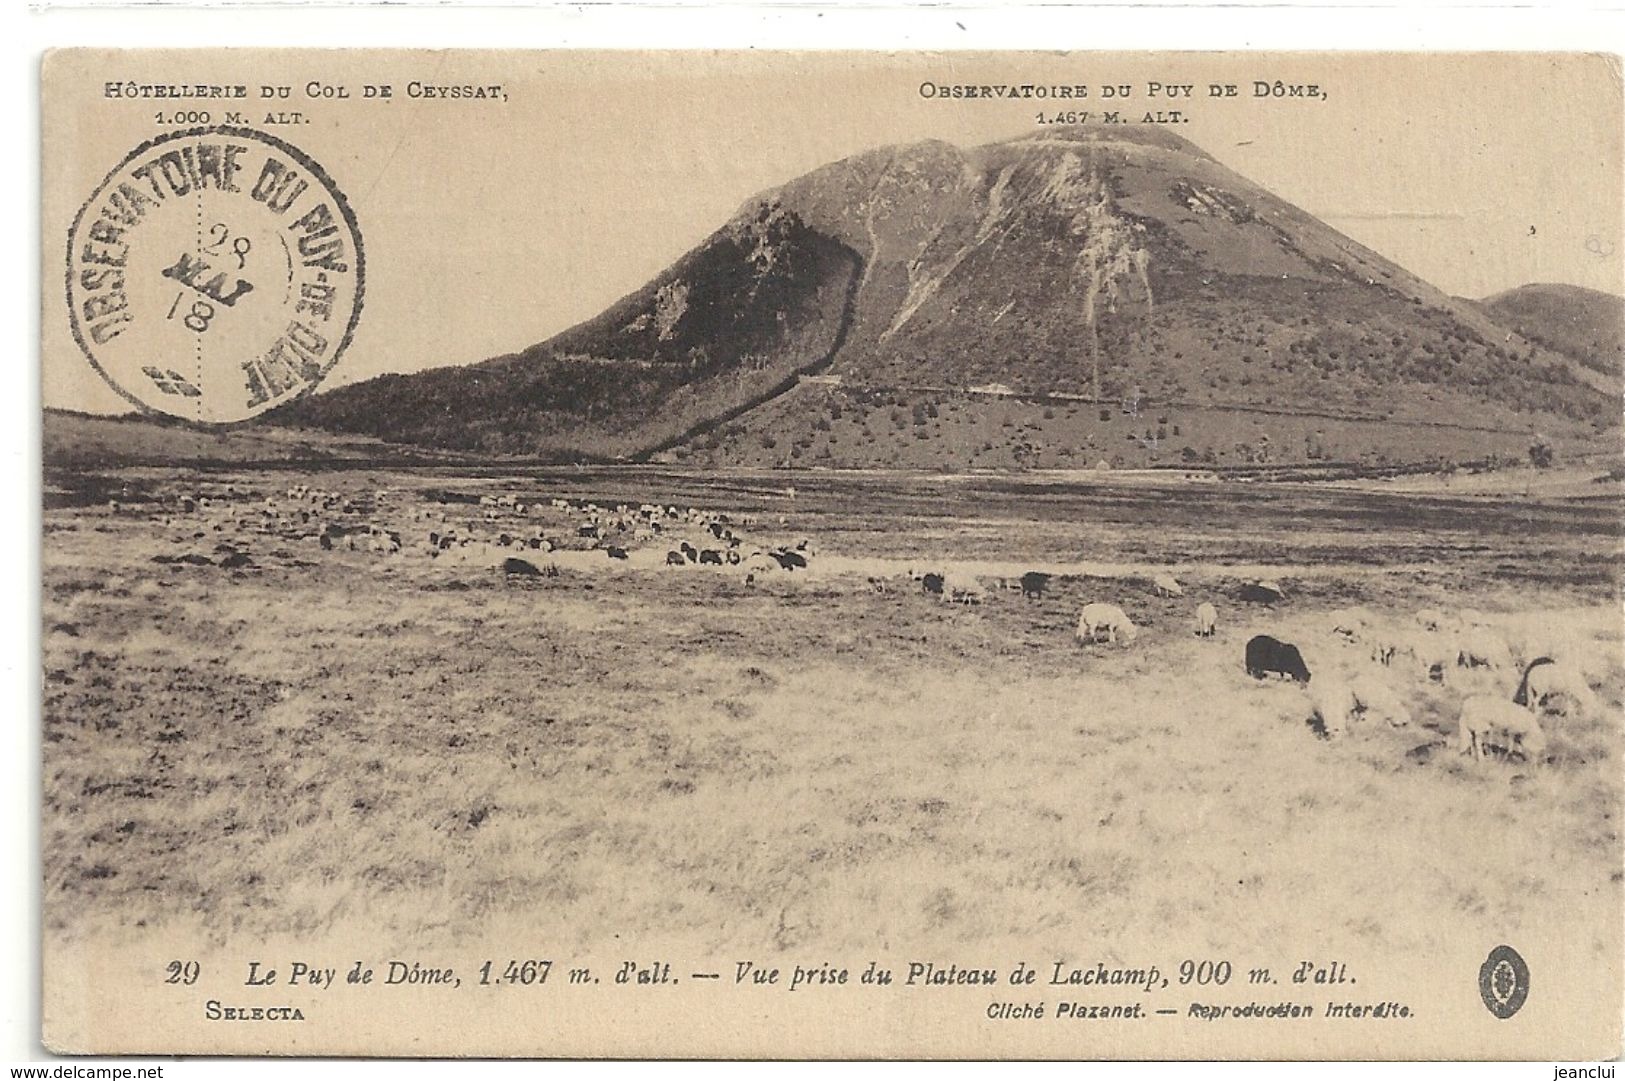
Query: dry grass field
x=828, y=759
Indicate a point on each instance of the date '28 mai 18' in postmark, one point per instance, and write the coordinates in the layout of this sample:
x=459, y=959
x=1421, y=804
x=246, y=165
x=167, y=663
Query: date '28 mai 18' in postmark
x=214, y=274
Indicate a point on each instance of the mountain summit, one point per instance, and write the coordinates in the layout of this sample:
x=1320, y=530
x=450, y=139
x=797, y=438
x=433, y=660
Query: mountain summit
x=1055, y=283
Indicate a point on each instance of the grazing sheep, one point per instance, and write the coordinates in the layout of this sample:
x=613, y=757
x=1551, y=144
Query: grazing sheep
x=616, y=553
x=1377, y=701
x=1431, y=619
x=676, y=559
x=1556, y=686
x=785, y=559
x=1033, y=584
x=1488, y=720
x=1435, y=654
x=760, y=563
x=1165, y=585
x=1481, y=647
x=1387, y=648
x=521, y=568
x=1207, y=620
x=711, y=556
x=1098, y=617
x=1351, y=624
x=1334, y=704
x=1263, y=591
x=930, y=582
x=961, y=589
x=1266, y=655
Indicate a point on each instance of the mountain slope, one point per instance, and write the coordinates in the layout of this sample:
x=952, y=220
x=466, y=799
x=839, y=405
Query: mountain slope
x=1119, y=265
x=1582, y=323
x=730, y=324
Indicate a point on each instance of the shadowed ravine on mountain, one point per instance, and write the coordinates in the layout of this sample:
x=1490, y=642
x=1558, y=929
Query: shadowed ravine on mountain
x=784, y=386
x=1178, y=312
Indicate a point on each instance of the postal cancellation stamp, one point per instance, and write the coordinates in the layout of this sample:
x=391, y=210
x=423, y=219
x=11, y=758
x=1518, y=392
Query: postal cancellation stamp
x=216, y=272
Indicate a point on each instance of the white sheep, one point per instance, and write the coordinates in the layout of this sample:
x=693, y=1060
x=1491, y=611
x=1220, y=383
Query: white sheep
x=1333, y=703
x=1207, y=620
x=1098, y=617
x=1431, y=619
x=1377, y=700
x=1557, y=686
x=1166, y=586
x=1352, y=624
x=1488, y=720
x=1481, y=647
x=961, y=589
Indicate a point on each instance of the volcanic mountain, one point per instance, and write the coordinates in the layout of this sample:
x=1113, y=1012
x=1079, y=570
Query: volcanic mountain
x=1102, y=293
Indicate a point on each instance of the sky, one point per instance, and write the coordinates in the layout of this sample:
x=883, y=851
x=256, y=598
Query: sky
x=492, y=225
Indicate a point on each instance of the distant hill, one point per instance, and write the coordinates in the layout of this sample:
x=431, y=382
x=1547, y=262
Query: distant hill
x=1581, y=323
x=75, y=440
x=1171, y=309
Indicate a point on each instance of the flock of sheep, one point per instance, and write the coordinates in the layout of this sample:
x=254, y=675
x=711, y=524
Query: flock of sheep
x=1511, y=678
x=1364, y=664
x=1508, y=683
x=493, y=530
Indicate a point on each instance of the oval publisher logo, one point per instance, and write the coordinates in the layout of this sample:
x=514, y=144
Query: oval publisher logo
x=1503, y=981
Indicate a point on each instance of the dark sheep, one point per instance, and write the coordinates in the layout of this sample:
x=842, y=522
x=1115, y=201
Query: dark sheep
x=1266, y=655
x=931, y=583
x=712, y=556
x=1522, y=696
x=1033, y=584
x=676, y=559
x=788, y=560
x=522, y=568
x=617, y=553
x=1260, y=593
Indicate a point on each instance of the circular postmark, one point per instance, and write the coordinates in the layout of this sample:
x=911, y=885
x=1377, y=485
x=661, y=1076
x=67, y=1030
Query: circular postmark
x=216, y=273
x=1503, y=981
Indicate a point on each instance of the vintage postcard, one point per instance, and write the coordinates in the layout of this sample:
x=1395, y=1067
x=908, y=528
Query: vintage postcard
x=947, y=555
